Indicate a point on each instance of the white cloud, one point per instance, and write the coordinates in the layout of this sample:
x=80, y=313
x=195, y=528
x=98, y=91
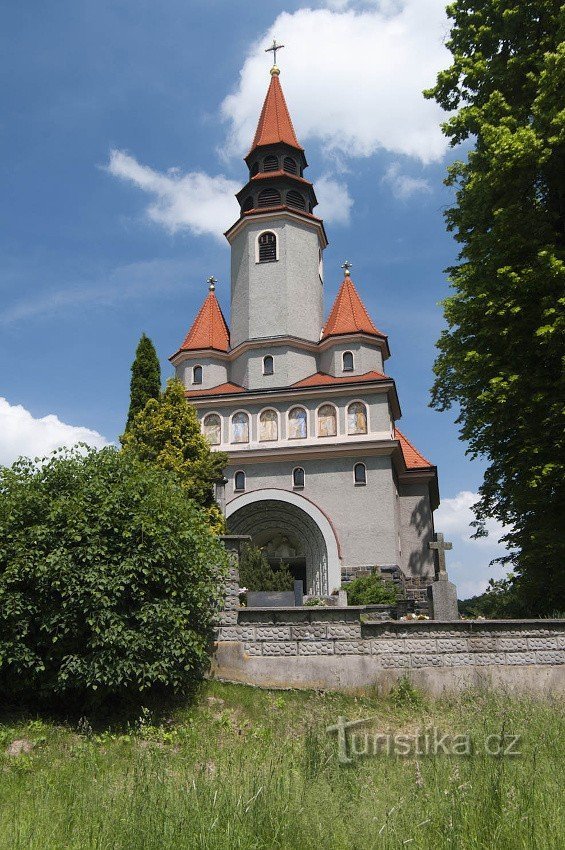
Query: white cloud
x=353, y=78
x=23, y=434
x=334, y=200
x=402, y=185
x=193, y=201
x=469, y=563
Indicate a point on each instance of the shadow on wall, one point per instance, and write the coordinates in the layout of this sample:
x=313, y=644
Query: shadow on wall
x=419, y=562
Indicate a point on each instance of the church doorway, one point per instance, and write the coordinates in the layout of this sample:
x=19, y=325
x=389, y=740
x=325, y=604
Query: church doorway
x=288, y=534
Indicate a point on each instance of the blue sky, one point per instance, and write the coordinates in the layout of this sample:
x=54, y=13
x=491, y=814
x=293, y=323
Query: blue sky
x=96, y=247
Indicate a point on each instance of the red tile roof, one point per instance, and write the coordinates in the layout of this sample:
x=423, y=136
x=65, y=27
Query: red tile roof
x=274, y=122
x=348, y=314
x=320, y=379
x=209, y=329
x=219, y=390
x=412, y=457
x=266, y=175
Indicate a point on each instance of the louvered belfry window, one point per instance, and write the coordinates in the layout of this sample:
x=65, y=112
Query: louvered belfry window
x=270, y=163
x=295, y=199
x=269, y=198
x=267, y=247
x=289, y=164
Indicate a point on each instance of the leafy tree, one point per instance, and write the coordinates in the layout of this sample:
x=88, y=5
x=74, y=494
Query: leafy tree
x=500, y=601
x=145, y=378
x=501, y=358
x=167, y=433
x=371, y=590
x=109, y=579
x=255, y=572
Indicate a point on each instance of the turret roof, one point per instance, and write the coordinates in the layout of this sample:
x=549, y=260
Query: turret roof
x=349, y=314
x=412, y=457
x=209, y=329
x=275, y=125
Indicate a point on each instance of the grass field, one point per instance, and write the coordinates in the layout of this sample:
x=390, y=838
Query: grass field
x=245, y=768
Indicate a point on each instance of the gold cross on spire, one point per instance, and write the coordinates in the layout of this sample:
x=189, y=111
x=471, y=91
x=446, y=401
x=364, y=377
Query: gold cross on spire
x=346, y=266
x=212, y=283
x=273, y=49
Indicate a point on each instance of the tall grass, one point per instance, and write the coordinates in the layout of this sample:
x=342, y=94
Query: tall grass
x=245, y=768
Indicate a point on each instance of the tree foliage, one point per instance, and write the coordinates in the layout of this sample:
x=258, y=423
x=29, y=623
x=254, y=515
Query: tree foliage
x=167, y=433
x=109, y=579
x=501, y=360
x=255, y=572
x=500, y=601
x=371, y=590
x=145, y=378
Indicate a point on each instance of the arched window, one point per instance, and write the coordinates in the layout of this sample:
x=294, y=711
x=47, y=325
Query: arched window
x=239, y=481
x=295, y=199
x=289, y=164
x=298, y=478
x=271, y=163
x=268, y=365
x=240, y=428
x=267, y=247
x=268, y=426
x=327, y=421
x=297, y=424
x=357, y=418
x=247, y=204
x=254, y=169
x=347, y=361
x=360, y=473
x=213, y=429
x=197, y=375
x=269, y=198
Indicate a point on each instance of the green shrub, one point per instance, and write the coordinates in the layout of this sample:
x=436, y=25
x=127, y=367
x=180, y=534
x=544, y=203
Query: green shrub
x=109, y=579
x=371, y=590
x=255, y=572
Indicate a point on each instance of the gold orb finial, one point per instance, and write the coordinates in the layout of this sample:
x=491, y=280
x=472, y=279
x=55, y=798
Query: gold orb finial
x=275, y=71
x=212, y=283
x=346, y=267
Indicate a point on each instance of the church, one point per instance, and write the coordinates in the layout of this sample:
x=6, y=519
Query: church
x=319, y=473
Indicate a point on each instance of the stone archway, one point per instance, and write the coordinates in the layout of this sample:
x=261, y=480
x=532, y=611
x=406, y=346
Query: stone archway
x=288, y=523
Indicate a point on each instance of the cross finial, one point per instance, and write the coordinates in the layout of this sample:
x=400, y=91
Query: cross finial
x=441, y=546
x=212, y=283
x=346, y=266
x=273, y=49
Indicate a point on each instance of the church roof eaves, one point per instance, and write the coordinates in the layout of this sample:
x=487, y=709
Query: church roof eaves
x=258, y=211
x=319, y=379
x=267, y=175
x=221, y=389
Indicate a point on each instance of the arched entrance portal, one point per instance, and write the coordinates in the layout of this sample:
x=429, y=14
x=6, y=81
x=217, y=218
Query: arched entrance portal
x=291, y=529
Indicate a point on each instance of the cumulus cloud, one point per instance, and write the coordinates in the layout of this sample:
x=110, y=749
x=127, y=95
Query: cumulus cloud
x=334, y=200
x=402, y=185
x=23, y=434
x=469, y=564
x=194, y=201
x=353, y=78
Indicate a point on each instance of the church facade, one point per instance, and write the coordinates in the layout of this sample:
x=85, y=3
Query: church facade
x=319, y=474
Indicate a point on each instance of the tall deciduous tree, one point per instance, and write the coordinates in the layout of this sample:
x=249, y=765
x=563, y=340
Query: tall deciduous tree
x=501, y=358
x=145, y=378
x=166, y=433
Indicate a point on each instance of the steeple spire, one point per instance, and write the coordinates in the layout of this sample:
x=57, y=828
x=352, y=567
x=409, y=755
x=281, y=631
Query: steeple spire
x=275, y=125
x=349, y=314
x=210, y=329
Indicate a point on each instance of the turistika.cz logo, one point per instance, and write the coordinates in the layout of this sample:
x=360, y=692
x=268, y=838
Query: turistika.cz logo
x=355, y=741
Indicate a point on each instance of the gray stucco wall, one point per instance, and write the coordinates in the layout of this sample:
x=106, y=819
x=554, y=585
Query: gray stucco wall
x=290, y=365
x=416, y=530
x=366, y=358
x=360, y=515
x=214, y=372
x=282, y=298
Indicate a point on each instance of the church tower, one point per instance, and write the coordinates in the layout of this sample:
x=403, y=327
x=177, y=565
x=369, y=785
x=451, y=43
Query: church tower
x=319, y=474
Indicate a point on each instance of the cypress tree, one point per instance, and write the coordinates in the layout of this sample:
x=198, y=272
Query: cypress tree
x=145, y=378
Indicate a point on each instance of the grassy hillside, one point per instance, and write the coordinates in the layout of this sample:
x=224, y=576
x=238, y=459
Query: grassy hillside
x=245, y=768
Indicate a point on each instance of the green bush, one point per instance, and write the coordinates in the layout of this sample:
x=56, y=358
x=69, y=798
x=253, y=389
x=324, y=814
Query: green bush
x=255, y=572
x=371, y=590
x=109, y=579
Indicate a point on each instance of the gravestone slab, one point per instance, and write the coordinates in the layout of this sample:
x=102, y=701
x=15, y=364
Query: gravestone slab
x=442, y=595
x=270, y=599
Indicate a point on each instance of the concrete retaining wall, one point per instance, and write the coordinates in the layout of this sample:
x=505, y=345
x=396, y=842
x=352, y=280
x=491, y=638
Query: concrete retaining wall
x=342, y=649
